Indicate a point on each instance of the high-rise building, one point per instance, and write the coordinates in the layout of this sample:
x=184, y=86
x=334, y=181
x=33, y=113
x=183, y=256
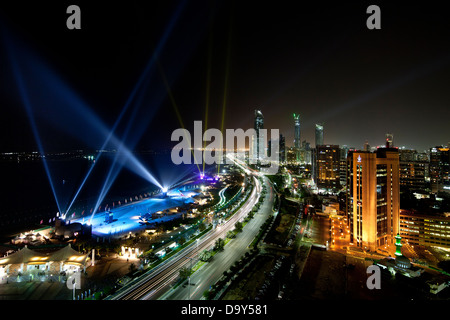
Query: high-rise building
x=297, y=140
x=291, y=156
x=373, y=197
x=327, y=163
x=305, y=153
x=413, y=175
x=440, y=169
x=425, y=230
x=282, y=148
x=413, y=172
x=319, y=135
x=258, y=146
x=343, y=165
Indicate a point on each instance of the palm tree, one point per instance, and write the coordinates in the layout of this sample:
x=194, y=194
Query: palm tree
x=205, y=255
x=219, y=245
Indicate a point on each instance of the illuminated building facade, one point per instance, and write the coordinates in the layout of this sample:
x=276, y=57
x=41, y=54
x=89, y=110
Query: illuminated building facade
x=258, y=146
x=373, y=197
x=425, y=230
x=327, y=165
x=291, y=156
x=297, y=131
x=282, y=149
x=414, y=170
x=440, y=169
x=413, y=175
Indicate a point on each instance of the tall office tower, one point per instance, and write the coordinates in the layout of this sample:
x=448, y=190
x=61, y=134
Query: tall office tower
x=413, y=171
x=373, y=197
x=319, y=134
x=297, y=131
x=343, y=165
x=305, y=153
x=327, y=163
x=258, y=140
x=282, y=148
x=389, y=140
x=440, y=169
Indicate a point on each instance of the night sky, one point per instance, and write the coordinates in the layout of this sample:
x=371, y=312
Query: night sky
x=318, y=60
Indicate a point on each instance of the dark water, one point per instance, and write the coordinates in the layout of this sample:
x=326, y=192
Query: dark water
x=27, y=197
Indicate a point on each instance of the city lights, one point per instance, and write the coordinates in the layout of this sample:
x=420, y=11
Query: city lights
x=229, y=151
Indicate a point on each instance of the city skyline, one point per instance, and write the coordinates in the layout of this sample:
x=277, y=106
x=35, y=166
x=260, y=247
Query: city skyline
x=323, y=64
x=225, y=150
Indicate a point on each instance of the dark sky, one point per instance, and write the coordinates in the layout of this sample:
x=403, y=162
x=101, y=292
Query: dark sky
x=318, y=60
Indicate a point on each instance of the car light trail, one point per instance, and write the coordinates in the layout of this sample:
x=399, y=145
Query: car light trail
x=165, y=273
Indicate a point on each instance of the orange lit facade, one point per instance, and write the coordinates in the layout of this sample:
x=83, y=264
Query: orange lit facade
x=373, y=197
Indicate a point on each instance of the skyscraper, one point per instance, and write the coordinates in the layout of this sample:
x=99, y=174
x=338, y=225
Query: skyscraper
x=319, y=135
x=327, y=160
x=258, y=143
x=373, y=197
x=297, y=140
x=440, y=169
x=413, y=172
x=282, y=148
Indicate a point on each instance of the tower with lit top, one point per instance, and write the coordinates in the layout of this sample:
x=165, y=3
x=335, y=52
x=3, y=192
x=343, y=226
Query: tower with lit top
x=297, y=130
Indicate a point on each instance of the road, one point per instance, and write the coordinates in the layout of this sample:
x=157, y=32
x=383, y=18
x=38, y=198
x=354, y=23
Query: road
x=211, y=272
x=154, y=283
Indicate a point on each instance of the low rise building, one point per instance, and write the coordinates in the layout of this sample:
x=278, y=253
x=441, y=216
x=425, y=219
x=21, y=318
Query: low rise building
x=27, y=262
x=426, y=230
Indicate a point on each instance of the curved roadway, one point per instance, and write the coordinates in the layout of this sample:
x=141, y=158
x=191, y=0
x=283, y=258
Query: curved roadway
x=157, y=281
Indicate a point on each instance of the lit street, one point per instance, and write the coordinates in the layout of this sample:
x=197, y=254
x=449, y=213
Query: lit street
x=213, y=270
x=154, y=283
x=194, y=153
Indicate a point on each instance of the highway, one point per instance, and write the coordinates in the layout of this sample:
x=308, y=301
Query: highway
x=212, y=271
x=157, y=281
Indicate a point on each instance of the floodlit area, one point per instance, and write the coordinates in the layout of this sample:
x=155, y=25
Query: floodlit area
x=139, y=214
